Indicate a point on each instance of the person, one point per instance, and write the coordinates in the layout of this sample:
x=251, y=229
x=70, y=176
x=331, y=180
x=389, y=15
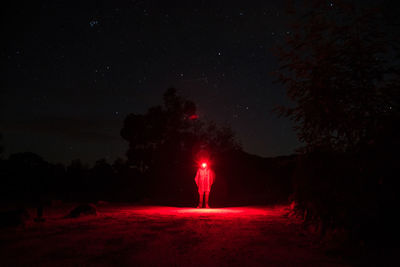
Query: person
x=204, y=180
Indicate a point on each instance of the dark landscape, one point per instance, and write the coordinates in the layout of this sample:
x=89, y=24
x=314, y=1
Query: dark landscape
x=200, y=133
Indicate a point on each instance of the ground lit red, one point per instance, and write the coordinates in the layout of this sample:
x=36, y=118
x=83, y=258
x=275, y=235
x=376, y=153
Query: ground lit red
x=214, y=212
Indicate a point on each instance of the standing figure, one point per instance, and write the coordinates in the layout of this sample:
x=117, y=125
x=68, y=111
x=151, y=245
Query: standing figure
x=204, y=179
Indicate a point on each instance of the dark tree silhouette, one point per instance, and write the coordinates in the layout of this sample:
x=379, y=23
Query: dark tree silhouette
x=1, y=147
x=163, y=143
x=26, y=177
x=171, y=127
x=340, y=69
x=77, y=184
x=101, y=176
x=337, y=68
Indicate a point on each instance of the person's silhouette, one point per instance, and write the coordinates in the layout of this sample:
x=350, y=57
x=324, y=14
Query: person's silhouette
x=204, y=179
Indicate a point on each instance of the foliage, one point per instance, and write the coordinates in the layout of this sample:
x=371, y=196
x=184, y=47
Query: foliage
x=337, y=67
x=340, y=67
x=164, y=144
x=1, y=147
x=169, y=130
x=164, y=141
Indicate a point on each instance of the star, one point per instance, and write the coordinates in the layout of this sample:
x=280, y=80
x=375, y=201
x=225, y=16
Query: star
x=93, y=23
x=226, y=50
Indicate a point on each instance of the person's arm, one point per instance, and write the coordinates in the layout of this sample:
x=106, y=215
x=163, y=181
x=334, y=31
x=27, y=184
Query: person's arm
x=196, y=179
x=212, y=176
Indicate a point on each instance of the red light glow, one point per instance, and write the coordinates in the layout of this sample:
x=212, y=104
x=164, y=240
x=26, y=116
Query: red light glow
x=203, y=163
x=231, y=212
x=194, y=117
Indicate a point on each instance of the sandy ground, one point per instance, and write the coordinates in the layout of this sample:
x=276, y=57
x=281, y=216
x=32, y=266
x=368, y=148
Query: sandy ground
x=164, y=236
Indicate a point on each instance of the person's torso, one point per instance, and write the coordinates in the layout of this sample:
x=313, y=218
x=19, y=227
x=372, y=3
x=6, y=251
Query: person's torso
x=204, y=173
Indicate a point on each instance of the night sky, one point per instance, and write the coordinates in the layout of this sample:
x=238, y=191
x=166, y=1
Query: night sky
x=72, y=71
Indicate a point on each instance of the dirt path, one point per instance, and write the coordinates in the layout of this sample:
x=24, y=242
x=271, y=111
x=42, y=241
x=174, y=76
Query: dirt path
x=164, y=236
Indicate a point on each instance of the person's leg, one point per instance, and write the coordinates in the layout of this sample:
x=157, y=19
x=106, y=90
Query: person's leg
x=207, y=194
x=200, y=199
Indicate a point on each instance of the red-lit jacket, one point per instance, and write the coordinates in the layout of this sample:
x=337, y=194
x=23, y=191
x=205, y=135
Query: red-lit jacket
x=204, y=179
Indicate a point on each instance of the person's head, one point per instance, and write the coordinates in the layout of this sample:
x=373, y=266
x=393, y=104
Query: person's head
x=204, y=165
